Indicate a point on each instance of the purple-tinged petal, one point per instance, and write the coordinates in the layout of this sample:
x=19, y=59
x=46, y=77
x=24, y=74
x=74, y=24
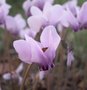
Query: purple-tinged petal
x=20, y=21
x=72, y=6
x=38, y=3
x=11, y=25
x=68, y=20
x=26, y=6
x=36, y=22
x=23, y=49
x=55, y=13
x=82, y=17
x=2, y=16
x=6, y=8
x=46, y=7
x=41, y=3
x=50, y=37
x=50, y=53
x=35, y=11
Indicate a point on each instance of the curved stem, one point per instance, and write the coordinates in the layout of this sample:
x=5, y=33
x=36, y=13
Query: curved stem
x=25, y=76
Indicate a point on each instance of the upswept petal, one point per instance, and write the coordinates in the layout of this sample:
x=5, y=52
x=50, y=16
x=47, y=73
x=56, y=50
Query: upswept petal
x=26, y=6
x=82, y=17
x=6, y=8
x=35, y=11
x=72, y=6
x=55, y=13
x=23, y=49
x=11, y=25
x=50, y=37
x=68, y=20
x=64, y=20
x=46, y=7
x=20, y=21
x=36, y=22
x=74, y=24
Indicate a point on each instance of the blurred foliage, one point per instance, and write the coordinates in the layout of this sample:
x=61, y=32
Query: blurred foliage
x=16, y=6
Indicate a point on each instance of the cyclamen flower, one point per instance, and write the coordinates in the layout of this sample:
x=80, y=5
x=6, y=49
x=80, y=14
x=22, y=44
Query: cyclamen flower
x=38, y=3
x=41, y=53
x=75, y=22
x=69, y=20
x=15, y=24
x=49, y=16
x=4, y=10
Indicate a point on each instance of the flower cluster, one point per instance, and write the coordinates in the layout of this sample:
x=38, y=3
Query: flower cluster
x=45, y=18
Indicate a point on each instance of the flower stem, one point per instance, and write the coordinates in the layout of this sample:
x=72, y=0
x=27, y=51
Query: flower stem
x=25, y=76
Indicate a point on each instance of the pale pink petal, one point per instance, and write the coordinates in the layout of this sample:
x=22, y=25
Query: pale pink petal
x=47, y=7
x=36, y=22
x=26, y=6
x=2, y=16
x=82, y=17
x=11, y=24
x=68, y=20
x=20, y=21
x=72, y=6
x=50, y=53
x=35, y=11
x=55, y=13
x=23, y=49
x=41, y=3
x=6, y=8
x=50, y=37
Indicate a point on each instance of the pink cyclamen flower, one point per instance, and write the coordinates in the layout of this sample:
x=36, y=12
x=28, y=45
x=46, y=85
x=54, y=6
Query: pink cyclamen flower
x=15, y=24
x=69, y=20
x=49, y=16
x=75, y=22
x=38, y=3
x=4, y=10
x=43, y=52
